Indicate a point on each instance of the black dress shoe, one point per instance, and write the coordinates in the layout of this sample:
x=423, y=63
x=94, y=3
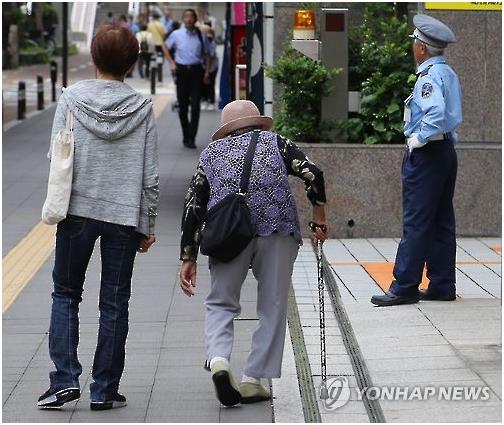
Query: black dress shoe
x=431, y=296
x=190, y=144
x=390, y=299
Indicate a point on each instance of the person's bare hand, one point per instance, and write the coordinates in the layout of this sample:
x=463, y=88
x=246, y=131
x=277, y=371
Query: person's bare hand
x=188, y=277
x=319, y=226
x=173, y=68
x=320, y=233
x=146, y=243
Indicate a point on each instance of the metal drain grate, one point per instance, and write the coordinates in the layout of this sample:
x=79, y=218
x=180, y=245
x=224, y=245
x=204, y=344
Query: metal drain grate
x=306, y=387
x=362, y=376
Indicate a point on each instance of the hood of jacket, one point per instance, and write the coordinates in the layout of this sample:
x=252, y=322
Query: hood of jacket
x=109, y=109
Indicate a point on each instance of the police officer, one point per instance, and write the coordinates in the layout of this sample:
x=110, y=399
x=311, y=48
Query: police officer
x=432, y=115
x=191, y=67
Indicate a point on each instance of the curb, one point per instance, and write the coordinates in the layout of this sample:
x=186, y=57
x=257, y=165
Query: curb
x=14, y=123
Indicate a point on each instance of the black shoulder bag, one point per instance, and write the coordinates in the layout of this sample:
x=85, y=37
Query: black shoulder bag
x=228, y=228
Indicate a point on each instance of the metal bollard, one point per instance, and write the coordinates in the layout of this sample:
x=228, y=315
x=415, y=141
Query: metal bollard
x=53, y=71
x=160, y=59
x=153, y=66
x=21, y=100
x=40, y=92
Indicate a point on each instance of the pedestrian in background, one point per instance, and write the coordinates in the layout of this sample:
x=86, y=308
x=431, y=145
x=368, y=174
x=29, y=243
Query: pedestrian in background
x=432, y=116
x=168, y=21
x=114, y=198
x=208, y=19
x=158, y=31
x=191, y=67
x=123, y=21
x=110, y=18
x=133, y=25
x=271, y=254
x=175, y=26
x=147, y=49
x=208, y=95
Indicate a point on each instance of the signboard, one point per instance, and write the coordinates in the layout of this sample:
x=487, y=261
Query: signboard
x=239, y=55
x=255, y=57
x=481, y=6
x=239, y=16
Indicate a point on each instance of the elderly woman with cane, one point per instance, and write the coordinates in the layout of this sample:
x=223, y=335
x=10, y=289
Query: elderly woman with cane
x=270, y=253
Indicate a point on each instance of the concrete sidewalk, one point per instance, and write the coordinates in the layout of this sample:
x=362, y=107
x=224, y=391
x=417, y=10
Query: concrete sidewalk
x=427, y=344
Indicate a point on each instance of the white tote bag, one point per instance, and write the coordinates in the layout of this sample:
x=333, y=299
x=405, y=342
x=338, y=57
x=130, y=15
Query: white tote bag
x=59, y=187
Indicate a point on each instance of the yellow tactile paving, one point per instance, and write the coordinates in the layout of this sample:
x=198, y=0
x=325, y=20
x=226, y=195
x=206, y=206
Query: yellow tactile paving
x=25, y=259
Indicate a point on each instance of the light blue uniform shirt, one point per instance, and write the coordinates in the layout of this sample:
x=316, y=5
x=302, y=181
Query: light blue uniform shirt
x=187, y=46
x=435, y=106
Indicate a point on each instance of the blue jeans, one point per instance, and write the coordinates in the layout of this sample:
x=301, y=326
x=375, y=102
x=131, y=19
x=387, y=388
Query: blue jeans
x=75, y=240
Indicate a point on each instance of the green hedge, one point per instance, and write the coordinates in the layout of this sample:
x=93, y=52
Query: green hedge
x=382, y=68
x=33, y=55
x=72, y=50
x=305, y=82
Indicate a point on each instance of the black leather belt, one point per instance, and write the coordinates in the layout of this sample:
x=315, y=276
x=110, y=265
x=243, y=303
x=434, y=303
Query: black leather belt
x=192, y=66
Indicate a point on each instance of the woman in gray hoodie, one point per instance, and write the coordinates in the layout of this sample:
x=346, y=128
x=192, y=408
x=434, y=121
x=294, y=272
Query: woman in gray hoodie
x=114, y=197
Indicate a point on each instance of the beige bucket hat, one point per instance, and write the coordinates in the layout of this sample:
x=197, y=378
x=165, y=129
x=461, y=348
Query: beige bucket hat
x=240, y=114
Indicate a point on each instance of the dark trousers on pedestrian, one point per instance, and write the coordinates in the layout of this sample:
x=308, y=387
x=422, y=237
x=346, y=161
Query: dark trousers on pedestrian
x=189, y=89
x=428, y=176
x=144, y=59
x=209, y=89
x=75, y=240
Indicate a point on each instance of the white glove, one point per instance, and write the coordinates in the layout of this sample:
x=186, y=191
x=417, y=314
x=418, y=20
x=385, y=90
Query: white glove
x=414, y=143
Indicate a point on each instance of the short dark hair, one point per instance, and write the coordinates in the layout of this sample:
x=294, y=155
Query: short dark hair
x=192, y=11
x=143, y=27
x=114, y=49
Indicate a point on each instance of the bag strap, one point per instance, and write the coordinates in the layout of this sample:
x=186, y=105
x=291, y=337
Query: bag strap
x=247, y=166
x=69, y=120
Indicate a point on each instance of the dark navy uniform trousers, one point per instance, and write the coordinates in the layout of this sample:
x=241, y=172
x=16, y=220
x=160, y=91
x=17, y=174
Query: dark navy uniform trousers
x=428, y=177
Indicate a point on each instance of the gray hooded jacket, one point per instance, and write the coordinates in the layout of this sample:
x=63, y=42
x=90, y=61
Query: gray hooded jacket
x=116, y=175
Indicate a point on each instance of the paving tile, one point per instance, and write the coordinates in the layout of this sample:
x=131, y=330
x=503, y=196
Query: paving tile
x=441, y=343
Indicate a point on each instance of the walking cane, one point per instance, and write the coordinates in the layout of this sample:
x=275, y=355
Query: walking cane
x=324, y=394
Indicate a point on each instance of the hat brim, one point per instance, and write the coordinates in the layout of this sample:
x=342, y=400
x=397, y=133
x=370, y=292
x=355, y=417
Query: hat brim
x=263, y=122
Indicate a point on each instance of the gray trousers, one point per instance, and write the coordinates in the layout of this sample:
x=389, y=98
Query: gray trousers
x=272, y=259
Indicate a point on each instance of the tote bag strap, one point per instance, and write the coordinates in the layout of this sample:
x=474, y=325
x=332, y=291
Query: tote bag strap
x=247, y=166
x=69, y=120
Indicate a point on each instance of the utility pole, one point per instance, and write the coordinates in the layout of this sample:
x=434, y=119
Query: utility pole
x=64, y=52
